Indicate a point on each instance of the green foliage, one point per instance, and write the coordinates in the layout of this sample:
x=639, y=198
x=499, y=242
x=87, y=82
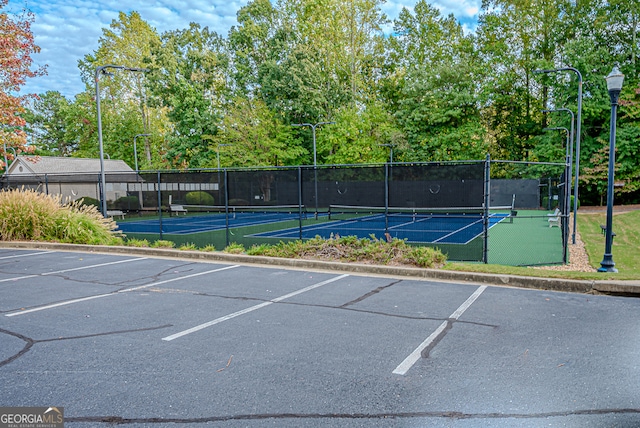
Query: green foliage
x=29, y=215
x=141, y=243
x=188, y=247
x=208, y=248
x=353, y=249
x=86, y=200
x=162, y=243
x=234, y=248
x=127, y=203
x=199, y=198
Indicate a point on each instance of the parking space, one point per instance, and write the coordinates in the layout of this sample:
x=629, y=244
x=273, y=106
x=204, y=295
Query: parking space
x=153, y=341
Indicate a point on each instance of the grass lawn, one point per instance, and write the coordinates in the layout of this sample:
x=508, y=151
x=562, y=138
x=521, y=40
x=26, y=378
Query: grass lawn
x=625, y=250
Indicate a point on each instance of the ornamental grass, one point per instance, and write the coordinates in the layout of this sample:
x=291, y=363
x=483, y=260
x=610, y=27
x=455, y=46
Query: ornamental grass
x=27, y=215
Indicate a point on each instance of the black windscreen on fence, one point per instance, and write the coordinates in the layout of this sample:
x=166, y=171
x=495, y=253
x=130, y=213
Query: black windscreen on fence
x=443, y=205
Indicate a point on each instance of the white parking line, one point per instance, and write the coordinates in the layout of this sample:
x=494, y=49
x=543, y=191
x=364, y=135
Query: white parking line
x=25, y=255
x=72, y=269
x=83, y=299
x=413, y=358
x=251, y=309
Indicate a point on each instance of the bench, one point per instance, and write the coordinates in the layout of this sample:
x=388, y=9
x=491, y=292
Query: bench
x=603, y=228
x=114, y=213
x=177, y=209
x=554, y=218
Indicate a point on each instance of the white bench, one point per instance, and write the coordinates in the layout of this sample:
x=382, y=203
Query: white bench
x=177, y=209
x=554, y=218
x=114, y=213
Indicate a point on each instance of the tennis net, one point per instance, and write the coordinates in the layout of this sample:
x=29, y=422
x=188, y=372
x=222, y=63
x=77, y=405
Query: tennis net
x=404, y=214
x=235, y=211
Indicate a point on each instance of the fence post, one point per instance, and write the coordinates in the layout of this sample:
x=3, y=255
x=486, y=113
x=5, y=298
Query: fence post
x=300, y=201
x=487, y=199
x=159, y=206
x=386, y=198
x=226, y=205
x=567, y=209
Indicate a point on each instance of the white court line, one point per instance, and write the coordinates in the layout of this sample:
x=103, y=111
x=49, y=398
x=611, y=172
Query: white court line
x=250, y=309
x=25, y=255
x=72, y=269
x=413, y=358
x=83, y=299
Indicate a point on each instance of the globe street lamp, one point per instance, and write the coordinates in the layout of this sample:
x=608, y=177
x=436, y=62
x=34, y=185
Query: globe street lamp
x=103, y=70
x=135, y=149
x=614, y=86
x=315, y=160
x=578, y=123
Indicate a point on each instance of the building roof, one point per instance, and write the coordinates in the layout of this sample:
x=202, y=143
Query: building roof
x=37, y=165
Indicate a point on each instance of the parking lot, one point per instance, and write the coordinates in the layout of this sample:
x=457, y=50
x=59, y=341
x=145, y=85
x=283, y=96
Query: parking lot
x=140, y=341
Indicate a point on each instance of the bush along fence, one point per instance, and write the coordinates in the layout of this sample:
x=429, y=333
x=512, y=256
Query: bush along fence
x=504, y=212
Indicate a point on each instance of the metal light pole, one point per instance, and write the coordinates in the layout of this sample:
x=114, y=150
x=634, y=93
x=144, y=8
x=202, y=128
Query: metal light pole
x=135, y=149
x=102, y=70
x=315, y=160
x=575, y=199
x=614, y=85
x=578, y=123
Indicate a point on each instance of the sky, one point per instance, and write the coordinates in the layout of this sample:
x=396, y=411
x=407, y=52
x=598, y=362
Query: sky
x=67, y=30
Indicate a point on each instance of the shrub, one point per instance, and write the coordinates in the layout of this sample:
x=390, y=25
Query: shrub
x=199, y=198
x=234, y=248
x=163, y=243
x=127, y=203
x=29, y=215
x=137, y=242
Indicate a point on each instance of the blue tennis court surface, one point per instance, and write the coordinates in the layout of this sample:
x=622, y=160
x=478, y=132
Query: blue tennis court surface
x=454, y=229
x=182, y=225
x=430, y=229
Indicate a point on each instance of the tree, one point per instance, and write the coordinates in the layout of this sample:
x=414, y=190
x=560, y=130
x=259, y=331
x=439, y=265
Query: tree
x=125, y=112
x=254, y=135
x=47, y=119
x=16, y=47
x=433, y=86
x=188, y=77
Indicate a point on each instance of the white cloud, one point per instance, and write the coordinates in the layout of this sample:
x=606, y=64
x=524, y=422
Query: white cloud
x=67, y=30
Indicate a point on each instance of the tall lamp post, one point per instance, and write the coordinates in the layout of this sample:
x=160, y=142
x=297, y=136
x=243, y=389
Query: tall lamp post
x=103, y=70
x=614, y=86
x=578, y=123
x=572, y=139
x=315, y=160
x=135, y=149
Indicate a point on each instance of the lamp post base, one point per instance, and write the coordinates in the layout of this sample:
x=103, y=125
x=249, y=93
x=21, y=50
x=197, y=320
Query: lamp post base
x=607, y=264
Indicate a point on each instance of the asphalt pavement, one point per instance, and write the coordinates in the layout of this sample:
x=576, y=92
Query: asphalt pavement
x=161, y=340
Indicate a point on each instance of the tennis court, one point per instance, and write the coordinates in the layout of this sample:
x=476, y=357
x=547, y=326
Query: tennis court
x=416, y=226
x=412, y=225
x=209, y=219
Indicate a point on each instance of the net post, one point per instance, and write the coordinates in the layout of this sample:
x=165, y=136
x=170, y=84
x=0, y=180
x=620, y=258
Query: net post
x=487, y=199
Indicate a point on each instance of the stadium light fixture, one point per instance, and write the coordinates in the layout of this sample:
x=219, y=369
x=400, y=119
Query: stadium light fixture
x=614, y=86
x=103, y=70
x=577, y=139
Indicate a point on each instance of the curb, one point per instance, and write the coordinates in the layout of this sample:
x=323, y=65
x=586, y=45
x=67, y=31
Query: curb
x=625, y=288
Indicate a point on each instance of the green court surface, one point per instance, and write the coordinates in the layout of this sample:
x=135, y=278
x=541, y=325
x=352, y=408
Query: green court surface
x=524, y=240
